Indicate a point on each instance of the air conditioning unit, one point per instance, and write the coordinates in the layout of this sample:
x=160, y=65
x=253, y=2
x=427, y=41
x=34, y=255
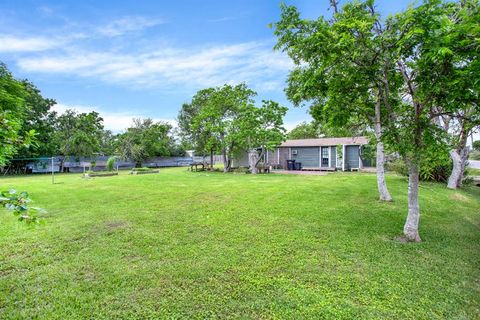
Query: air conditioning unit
x=294, y=152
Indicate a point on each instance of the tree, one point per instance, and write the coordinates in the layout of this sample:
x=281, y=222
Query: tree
x=38, y=118
x=200, y=138
x=145, y=139
x=215, y=121
x=12, y=116
x=305, y=130
x=259, y=128
x=78, y=134
x=449, y=64
x=418, y=40
x=341, y=70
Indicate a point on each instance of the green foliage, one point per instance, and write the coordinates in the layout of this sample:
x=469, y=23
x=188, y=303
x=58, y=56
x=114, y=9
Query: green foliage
x=476, y=145
x=259, y=126
x=78, y=134
x=13, y=111
x=226, y=119
x=38, y=118
x=145, y=139
x=305, y=130
x=431, y=169
x=18, y=204
x=247, y=246
x=111, y=163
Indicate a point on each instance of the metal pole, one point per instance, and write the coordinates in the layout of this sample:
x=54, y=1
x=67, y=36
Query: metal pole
x=53, y=174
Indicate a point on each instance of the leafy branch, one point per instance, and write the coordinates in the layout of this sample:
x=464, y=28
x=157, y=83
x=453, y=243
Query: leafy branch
x=18, y=204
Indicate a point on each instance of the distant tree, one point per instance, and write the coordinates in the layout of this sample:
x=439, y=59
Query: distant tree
x=145, y=139
x=305, y=130
x=108, y=143
x=215, y=122
x=199, y=138
x=259, y=127
x=78, y=134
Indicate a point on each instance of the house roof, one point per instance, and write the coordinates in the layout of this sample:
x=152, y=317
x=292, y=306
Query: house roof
x=325, y=142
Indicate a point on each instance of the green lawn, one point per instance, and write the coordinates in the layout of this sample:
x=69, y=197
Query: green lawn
x=209, y=245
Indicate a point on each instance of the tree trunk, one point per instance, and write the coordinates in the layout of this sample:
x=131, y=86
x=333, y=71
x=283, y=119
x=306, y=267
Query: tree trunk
x=211, y=158
x=381, y=184
x=456, y=171
x=253, y=159
x=226, y=166
x=410, y=230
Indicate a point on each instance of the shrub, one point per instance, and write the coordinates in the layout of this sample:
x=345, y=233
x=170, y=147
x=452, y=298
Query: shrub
x=429, y=171
x=111, y=163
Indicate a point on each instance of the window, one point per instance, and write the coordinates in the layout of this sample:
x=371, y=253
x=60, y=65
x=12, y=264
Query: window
x=324, y=156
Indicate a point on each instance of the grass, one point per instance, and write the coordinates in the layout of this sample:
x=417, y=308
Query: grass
x=208, y=245
x=473, y=172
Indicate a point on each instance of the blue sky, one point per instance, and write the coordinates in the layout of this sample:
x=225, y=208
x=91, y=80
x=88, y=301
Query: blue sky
x=129, y=59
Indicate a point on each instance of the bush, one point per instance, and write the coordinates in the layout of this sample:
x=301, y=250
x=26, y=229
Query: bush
x=398, y=166
x=429, y=171
x=111, y=163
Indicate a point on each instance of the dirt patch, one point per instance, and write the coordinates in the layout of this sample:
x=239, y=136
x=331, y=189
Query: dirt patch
x=458, y=197
x=402, y=239
x=113, y=225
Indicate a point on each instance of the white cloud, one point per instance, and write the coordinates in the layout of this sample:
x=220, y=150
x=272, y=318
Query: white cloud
x=251, y=62
x=127, y=24
x=114, y=121
x=10, y=43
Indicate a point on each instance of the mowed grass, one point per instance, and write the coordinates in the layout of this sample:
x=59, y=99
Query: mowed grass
x=210, y=245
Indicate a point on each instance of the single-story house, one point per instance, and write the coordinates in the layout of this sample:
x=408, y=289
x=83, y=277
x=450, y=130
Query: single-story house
x=315, y=154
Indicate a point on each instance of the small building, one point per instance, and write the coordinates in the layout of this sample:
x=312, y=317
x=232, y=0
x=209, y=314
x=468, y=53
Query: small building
x=315, y=154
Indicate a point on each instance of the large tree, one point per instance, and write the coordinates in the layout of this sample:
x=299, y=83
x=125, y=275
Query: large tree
x=200, y=138
x=78, y=134
x=342, y=70
x=145, y=139
x=39, y=118
x=217, y=117
x=13, y=113
x=418, y=37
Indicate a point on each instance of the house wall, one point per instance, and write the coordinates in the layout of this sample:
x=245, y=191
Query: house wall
x=351, y=157
x=333, y=156
x=308, y=156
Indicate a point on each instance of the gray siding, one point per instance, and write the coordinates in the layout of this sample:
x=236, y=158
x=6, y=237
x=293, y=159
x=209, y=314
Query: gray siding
x=283, y=157
x=351, y=157
x=309, y=157
x=333, y=157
